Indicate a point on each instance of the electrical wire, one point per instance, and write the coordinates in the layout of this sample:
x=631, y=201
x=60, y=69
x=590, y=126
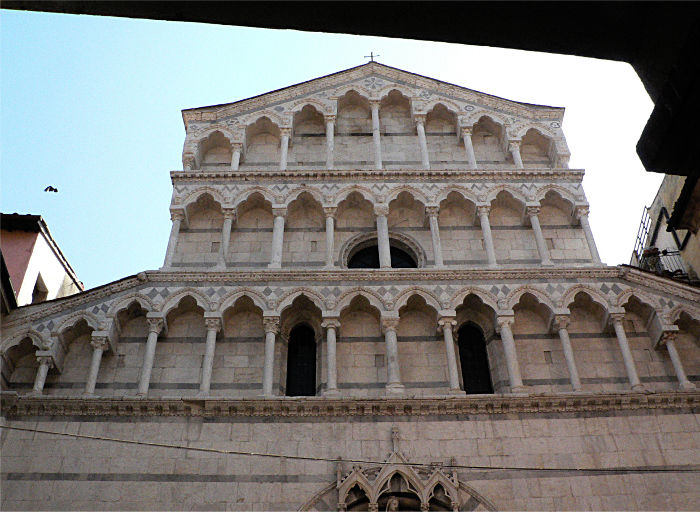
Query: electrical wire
x=621, y=469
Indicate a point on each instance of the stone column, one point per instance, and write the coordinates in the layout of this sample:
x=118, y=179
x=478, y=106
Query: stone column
x=469, y=147
x=381, y=211
x=236, y=148
x=277, y=237
x=188, y=162
x=514, y=148
x=616, y=319
x=271, y=325
x=446, y=324
x=45, y=364
x=516, y=381
x=420, y=128
x=669, y=339
x=483, y=211
x=284, y=147
x=433, y=212
x=374, y=104
x=229, y=217
x=330, y=234
x=177, y=217
x=389, y=326
x=155, y=325
x=532, y=213
x=561, y=322
x=213, y=325
x=330, y=126
x=100, y=343
x=331, y=325
x=582, y=216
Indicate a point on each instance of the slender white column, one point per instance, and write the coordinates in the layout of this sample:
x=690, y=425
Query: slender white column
x=331, y=325
x=561, y=322
x=669, y=339
x=177, y=218
x=469, y=147
x=374, y=104
x=516, y=381
x=271, y=325
x=45, y=364
x=532, y=212
x=616, y=319
x=381, y=211
x=99, y=345
x=582, y=216
x=514, y=148
x=483, y=211
x=236, y=147
x=446, y=324
x=389, y=326
x=229, y=217
x=330, y=234
x=277, y=237
x=330, y=126
x=155, y=325
x=213, y=326
x=420, y=128
x=284, y=147
x=433, y=212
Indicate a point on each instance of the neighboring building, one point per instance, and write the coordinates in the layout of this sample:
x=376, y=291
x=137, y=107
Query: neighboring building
x=371, y=266
x=667, y=251
x=38, y=270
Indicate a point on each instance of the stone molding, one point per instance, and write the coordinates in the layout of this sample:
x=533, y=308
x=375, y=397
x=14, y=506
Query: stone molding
x=17, y=406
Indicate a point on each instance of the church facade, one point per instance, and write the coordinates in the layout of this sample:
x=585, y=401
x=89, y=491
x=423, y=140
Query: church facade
x=380, y=292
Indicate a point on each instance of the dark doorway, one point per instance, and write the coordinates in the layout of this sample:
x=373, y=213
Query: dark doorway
x=301, y=362
x=474, y=360
x=369, y=258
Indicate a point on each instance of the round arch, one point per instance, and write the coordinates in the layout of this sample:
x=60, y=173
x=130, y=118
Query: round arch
x=592, y=294
x=404, y=242
x=195, y=195
x=244, y=195
x=462, y=191
x=73, y=319
x=450, y=106
x=128, y=300
x=487, y=298
x=231, y=298
x=343, y=193
x=342, y=91
x=173, y=300
x=518, y=195
x=273, y=117
x=286, y=301
x=295, y=193
x=416, y=194
x=514, y=297
x=38, y=341
x=402, y=298
x=372, y=297
x=562, y=192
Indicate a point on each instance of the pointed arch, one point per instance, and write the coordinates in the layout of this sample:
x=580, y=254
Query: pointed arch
x=201, y=136
x=624, y=296
x=402, y=298
x=38, y=341
x=73, y=319
x=519, y=131
x=194, y=196
x=127, y=300
x=231, y=298
x=174, y=299
x=563, y=192
x=514, y=297
x=461, y=190
x=405, y=90
x=244, y=195
x=296, y=192
x=374, y=299
x=592, y=294
x=674, y=315
x=413, y=191
x=343, y=193
x=486, y=297
x=343, y=90
x=272, y=116
x=517, y=194
x=323, y=108
x=479, y=114
x=449, y=105
x=286, y=300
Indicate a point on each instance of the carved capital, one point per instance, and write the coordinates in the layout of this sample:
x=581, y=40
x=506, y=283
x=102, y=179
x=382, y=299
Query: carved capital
x=667, y=336
x=419, y=119
x=99, y=341
x=329, y=211
x=213, y=324
x=561, y=321
x=616, y=317
x=446, y=322
x=374, y=103
x=381, y=209
x=483, y=209
x=279, y=211
x=581, y=211
x=329, y=118
x=533, y=210
x=271, y=324
x=177, y=215
x=155, y=324
x=504, y=322
x=432, y=211
x=229, y=213
x=188, y=161
x=285, y=132
x=389, y=324
x=466, y=131
x=331, y=322
x=514, y=145
x=45, y=361
x=237, y=146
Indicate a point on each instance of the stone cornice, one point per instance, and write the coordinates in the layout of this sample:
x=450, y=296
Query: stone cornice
x=256, y=176
x=656, y=282
x=16, y=406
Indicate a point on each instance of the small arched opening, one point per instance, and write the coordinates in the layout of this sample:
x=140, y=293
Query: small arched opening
x=476, y=374
x=301, y=362
x=366, y=255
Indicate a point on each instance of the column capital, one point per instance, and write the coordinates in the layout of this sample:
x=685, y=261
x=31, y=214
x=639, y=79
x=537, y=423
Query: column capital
x=504, y=321
x=533, y=209
x=285, y=132
x=329, y=211
x=46, y=360
x=177, y=215
x=188, y=161
x=100, y=341
x=333, y=322
x=667, y=336
x=514, y=144
x=271, y=324
x=483, y=209
x=465, y=131
x=433, y=210
x=581, y=210
x=279, y=211
x=155, y=324
x=561, y=321
x=616, y=316
x=419, y=118
x=446, y=322
x=237, y=146
x=389, y=323
x=229, y=213
x=212, y=323
x=374, y=103
x=329, y=118
x=381, y=209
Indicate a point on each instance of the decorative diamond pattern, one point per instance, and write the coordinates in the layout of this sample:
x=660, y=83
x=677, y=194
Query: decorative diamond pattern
x=604, y=288
x=616, y=289
x=267, y=291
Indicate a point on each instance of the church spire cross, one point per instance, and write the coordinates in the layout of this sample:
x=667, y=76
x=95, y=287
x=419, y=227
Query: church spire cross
x=371, y=56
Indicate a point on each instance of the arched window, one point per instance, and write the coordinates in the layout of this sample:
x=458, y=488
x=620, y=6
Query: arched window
x=366, y=255
x=474, y=360
x=301, y=362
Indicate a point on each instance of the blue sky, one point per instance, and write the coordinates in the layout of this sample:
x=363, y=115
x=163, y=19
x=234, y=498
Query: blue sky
x=92, y=105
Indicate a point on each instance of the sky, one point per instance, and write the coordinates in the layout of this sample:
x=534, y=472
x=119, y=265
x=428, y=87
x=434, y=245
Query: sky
x=92, y=106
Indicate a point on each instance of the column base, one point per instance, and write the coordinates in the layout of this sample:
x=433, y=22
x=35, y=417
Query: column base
x=687, y=386
x=456, y=392
x=89, y=395
x=395, y=389
x=548, y=263
x=35, y=394
x=264, y=396
x=331, y=393
x=202, y=394
x=274, y=265
x=519, y=390
x=639, y=387
x=329, y=267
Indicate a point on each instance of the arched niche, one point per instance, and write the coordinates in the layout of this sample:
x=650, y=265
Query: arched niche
x=300, y=352
x=421, y=355
x=262, y=144
x=251, y=238
x=462, y=241
x=441, y=137
x=76, y=363
x=400, y=146
x=308, y=144
x=535, y=149
x=354, y=217
x=132, y=327
x=638, y=324
x=305, y=233
x=514, y=242
x=487, y=139
x=474, y=366
x=200, y=239
x=353, y=144
x=215, y=151
x=687, y=344
x=363, y=252
x=19, y=366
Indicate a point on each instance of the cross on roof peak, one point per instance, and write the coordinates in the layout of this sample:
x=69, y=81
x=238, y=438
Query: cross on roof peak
x=371, y=56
